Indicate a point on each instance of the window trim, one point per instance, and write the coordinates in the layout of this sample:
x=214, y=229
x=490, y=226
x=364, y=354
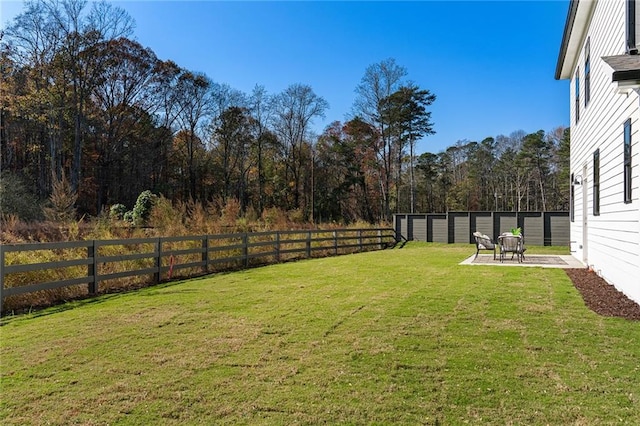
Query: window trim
x=626, y=161
x=596, y=182
x=587, y=72
x=577, y=94
x=631, y=48
x=572, y=199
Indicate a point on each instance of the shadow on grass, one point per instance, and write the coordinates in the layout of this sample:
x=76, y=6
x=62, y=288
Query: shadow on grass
x=88, y=300
x=144, y=289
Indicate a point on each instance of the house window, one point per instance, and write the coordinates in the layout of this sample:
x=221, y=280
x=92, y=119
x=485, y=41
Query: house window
x=572, y=199
x=577, y=95
x=627, y=161
x=596, y=183
x=587, y=73
x=631, y=28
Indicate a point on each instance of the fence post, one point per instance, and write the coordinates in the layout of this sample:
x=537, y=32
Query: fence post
x=1, y=276
x=308, y=244
x=158, y=261
x=92, y=268
x=379, y=239
x=335, y=242
x=277, y=246
x=205, y=253
x=360, y=239
x=245, y=249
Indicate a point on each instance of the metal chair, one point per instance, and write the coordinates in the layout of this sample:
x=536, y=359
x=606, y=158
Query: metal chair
x=511, y=244
x=483, y=242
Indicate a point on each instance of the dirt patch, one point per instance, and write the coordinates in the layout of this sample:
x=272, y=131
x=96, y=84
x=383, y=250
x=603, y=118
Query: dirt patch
x=601, y=297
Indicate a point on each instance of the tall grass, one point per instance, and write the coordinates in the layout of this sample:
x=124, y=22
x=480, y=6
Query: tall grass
x=404, y=336
x=131, y=263
x=166, y=220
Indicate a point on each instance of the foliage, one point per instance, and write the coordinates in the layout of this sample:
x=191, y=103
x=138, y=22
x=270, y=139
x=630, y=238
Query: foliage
x=224, y=253
x=392, y=337
x=128, y=216
x=407, y=120
x=519, y=172
x=142, y=209
x=274, y=218
x=117, y=211
x=168, y=219
x=81, y=97
x=230, y=213
x=16, y=199
x=379, y=82
x=62, y=201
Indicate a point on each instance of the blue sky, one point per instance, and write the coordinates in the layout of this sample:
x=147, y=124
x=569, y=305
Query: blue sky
x=491, y=64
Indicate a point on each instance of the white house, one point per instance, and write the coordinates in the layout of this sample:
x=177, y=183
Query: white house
x=599, y=55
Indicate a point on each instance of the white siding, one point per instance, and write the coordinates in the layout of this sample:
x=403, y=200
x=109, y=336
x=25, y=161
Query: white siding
x=613, y=248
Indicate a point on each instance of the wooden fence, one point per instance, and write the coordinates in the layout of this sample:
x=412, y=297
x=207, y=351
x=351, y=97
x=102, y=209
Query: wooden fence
x=92, y=264
x=539, y=228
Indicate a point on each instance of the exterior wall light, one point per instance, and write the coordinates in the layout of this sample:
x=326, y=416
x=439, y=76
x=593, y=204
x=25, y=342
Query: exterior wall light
x=577, y=180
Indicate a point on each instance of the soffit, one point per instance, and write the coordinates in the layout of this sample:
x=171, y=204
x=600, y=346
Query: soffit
x=575, y=29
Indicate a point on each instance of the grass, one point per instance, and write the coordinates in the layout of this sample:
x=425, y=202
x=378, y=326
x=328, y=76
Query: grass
x=403, y=336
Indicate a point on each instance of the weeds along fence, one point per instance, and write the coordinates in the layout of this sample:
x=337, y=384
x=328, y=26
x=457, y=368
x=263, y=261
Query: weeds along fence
x=39, y=274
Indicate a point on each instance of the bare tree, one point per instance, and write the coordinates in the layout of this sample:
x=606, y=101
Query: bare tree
x=195, y=108
x=232, y=140
x=82, y=33
x=294, y=111
x=29, y=46
x=122, y=96
x=260, y=107
x=378, y=83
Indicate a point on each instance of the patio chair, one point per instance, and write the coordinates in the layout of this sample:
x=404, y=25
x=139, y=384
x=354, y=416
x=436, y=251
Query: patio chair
x=510, y=243
x=483, y=242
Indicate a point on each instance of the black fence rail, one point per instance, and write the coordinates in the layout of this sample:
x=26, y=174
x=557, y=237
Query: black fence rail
x=75, y=269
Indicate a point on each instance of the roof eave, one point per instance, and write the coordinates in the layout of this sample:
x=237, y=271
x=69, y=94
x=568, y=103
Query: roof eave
x=574, y=30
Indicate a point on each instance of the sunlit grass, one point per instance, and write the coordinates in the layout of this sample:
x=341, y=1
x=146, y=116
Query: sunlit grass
x=398, y=336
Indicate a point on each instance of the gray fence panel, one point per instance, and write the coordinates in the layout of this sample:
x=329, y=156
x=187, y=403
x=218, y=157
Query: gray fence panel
x=409, y=234
x=557, y=229
x=438, y=229
x=532, y=224
x=481, y=222
x=460, y=231
x=401, y=225
x=418, y=225
x=506, y=221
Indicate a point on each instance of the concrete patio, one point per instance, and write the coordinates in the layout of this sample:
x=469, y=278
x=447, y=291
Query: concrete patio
x=540, y=260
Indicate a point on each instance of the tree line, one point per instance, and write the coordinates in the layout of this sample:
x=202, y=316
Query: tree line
x=83, y=102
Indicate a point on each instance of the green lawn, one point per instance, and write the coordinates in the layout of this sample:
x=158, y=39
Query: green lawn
x=402, y=336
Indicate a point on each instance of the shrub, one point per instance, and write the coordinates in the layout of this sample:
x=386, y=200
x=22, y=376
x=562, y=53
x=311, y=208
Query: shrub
x=16, y=199
x=142, y=209
x=62, y=201
x=128, y=216
x=231, y=212
x=197, y=216
x=274, y=218
x=168, y=218
x=296, y=216
x=117, y=212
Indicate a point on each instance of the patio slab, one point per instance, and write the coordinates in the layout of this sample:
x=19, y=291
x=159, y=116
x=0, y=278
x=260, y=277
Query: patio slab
x=540, y=260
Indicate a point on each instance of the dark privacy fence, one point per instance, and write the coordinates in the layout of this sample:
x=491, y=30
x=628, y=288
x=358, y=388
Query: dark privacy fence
x=539, y=228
